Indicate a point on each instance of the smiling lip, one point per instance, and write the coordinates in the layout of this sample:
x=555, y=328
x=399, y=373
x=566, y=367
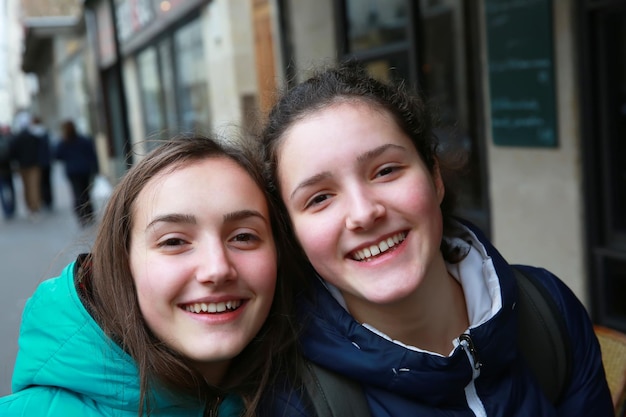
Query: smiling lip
x=213, y=307
x=369, y=252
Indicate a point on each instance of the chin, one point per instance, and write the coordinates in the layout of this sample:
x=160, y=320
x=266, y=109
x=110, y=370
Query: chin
x=383, y=297
x=221, y=355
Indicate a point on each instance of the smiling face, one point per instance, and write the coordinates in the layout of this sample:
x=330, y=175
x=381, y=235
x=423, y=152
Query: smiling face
x=363, y=205
x=203, y=260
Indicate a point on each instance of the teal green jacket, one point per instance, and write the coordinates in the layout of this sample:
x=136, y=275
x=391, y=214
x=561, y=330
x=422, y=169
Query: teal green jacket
x=67, y=367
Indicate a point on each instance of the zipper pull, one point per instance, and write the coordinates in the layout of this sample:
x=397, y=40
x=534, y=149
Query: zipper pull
x=467, y=343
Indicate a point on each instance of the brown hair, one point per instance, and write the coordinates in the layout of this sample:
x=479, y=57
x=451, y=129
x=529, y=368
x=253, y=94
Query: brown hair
x=68, y=130
x=113, y=299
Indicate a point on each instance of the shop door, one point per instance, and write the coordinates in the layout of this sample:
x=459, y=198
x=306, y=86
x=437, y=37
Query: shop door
x=604, y=148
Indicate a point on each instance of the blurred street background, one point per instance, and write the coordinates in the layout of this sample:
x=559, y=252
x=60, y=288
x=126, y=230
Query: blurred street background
x=31, y=251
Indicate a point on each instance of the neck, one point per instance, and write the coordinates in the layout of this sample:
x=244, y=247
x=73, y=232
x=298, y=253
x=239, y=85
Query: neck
x=430, y=318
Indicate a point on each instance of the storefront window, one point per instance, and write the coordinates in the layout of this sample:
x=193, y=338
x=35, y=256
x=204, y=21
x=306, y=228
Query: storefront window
x=168, y=84
x=192, y=85
x=75, y=104
x=151, y=96
x=391, y=67
x=376, y=23
x=445, y=77
x=174, y=86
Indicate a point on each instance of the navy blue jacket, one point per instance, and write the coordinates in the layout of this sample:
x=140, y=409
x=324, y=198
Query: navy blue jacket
x=79, y=156
x=399, y=381
x=25, y=149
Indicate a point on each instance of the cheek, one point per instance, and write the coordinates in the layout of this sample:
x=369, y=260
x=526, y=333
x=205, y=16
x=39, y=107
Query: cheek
x=419, y=203
x=258, y=272
x=318, y=238
x=425, y=211
x=154, y=282
x=147, y=295
x=267, y=279
x=423, y=200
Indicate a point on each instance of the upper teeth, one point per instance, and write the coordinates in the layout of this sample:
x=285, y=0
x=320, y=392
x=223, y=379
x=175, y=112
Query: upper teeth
x=213, y=307
x=379, y=248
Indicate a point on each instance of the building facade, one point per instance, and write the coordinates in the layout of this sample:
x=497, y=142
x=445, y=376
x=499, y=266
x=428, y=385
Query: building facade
x=167, y=68
x=55, y=54
x=15, y=86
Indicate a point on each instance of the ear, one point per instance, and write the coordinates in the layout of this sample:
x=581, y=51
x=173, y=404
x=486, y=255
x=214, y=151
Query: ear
x=440, y=188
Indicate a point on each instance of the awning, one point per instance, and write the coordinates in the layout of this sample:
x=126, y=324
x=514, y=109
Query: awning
x=39, y=32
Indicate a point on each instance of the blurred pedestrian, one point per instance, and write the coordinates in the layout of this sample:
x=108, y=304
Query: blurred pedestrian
x=81, y=165
x=25, y=152
x=45, y=156
x=7, y=191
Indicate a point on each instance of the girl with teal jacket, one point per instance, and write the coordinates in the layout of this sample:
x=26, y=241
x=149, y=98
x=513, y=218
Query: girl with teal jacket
x=177, y=311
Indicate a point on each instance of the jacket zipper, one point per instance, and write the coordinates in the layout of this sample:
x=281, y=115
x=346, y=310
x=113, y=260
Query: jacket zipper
x=473, y=401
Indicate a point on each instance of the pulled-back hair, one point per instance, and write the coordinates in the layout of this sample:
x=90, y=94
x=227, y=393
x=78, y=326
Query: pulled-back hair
x=349, y=81
x=68, y=130
x=112, y=299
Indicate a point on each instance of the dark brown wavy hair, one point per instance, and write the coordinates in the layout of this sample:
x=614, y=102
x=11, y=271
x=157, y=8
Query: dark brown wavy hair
x=112, y=299
x=349, y=81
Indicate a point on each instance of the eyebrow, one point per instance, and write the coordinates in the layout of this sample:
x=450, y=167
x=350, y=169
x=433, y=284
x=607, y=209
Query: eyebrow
x=373, y=153
x=172, y=218
x=364, y=157
x=190, y=219
x=311, y=181
x=242, y=214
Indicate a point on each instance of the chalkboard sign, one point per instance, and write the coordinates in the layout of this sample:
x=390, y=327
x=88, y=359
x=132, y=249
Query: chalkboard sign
x=521, y=72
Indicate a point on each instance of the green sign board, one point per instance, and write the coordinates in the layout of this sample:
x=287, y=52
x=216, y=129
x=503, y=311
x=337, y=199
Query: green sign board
x=521, y=72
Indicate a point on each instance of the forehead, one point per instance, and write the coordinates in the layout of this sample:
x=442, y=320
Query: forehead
x=342, y=107
x=215, y=182
x=340, y=123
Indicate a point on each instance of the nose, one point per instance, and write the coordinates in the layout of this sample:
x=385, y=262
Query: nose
x=364, y=210
x=215, y=266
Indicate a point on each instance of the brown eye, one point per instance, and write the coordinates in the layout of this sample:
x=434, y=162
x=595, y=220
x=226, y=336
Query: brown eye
x=245, y=237
x=172, y=242
x=385, y=171
x=319, y=199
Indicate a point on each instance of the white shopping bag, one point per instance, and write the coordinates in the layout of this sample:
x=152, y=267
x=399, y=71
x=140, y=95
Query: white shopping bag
x=101, y=190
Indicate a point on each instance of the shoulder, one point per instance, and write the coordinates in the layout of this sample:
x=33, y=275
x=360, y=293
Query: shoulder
x=577, y=320
x=60, y=291
x=567, y=302
x=587, y=392
x=287, y=401
x=58, y=338
x=46, y=402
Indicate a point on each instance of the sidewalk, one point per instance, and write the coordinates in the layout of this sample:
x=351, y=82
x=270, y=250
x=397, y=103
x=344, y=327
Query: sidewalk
x=31, y=251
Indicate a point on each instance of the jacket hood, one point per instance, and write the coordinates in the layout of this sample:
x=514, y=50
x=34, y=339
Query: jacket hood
x=377, y=361
x=60, y=345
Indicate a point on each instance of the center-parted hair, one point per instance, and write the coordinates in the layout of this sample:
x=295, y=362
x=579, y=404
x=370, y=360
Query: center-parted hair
x=112, y=299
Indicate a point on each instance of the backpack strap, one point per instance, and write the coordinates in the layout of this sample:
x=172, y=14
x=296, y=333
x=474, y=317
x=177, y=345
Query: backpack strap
x=334, y=395
x=542, y=336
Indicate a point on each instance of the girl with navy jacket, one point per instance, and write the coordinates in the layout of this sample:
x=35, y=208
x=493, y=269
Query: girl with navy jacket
x=412, y=304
